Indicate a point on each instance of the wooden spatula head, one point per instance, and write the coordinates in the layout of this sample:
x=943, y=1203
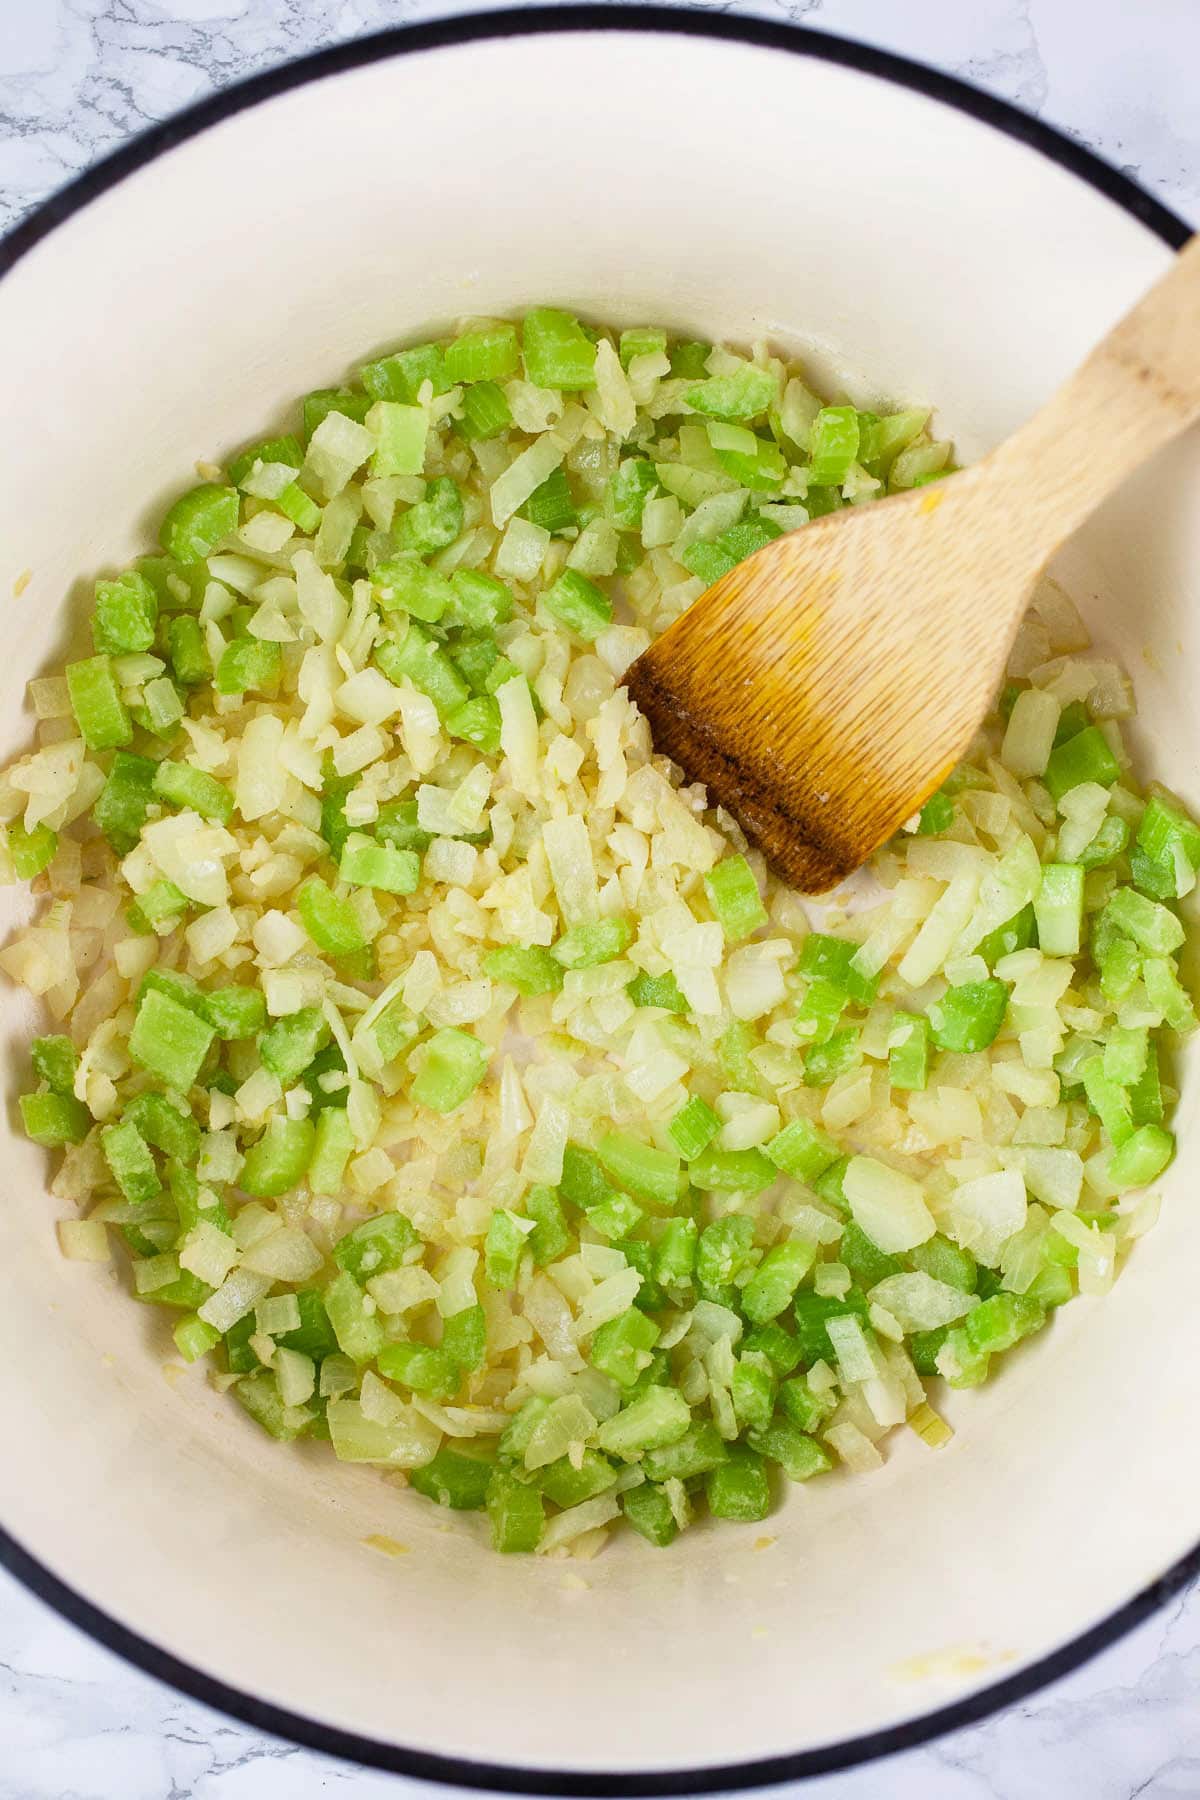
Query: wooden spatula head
x=825, y=687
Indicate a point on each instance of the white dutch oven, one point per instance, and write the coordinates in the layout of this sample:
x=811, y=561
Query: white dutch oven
x=741, y=181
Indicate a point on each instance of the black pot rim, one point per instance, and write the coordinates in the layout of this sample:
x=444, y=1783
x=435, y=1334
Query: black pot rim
x=152, y=1658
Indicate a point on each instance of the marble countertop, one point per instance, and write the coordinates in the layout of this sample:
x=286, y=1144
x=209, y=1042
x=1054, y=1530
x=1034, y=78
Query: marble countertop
x=76, y=78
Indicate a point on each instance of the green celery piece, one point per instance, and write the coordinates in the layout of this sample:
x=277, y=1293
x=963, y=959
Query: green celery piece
x=1142, y=1158
x=641, y=341
x=773, y=1285
x=746, y=394
x=578, y=604
x=1165, y=828
x=648, y=1510
x=464, y=1337
x=812, y=1313
x=941, y=1259
x=639, y=1168
x=694, y=1126
x=1085, y=757
x=557, y=352
x=968, y=1018
x=1015, y=934
x=279, y=1160
x=798, y=1455
x=657, y=990
x=198, y=521
x=481, y=602
x=908, y=1051
x=675, y=1259
x=1110, y=841
x=455, y=1063
x=248, y=663
x=739, y=1488
x=235, y=1013
x=126, y=613
x=923, y=1347
x=999, y=1323
x=96, y=703
x=400, y=438
x=819, y=1013
x=478, y=722
x=289, y=1045
x=801, y=1406
x=454, y=1479
x=700, y=1449
x=417, y=658
x=1073, y=719
x=169, y=1040
x=52, y=1120
x=615, y=1216
x=823, y=1063
x=55, y=1061
x=402, y=375
x=1109, y=1102
x=596, y=941
x=734, y=897
x=485, y=411
x=165, y=1127
x=487, y=354
x=866, y=1262
x=31, y=851
x=284, y=449
x=318, y=406
x=516, y=1514
x=331, y=1151
x=802, y=1151
x=364, y=863
x=834, y=445
x=179, y=784
x=731, y=1171
x=621, y=1346
x=330, y=921
x=550, y=1236
x=724, y=1251
x=551, y=505
x=569, y=1486
x=1145, y=1097
x=376, y=1245
x=826, y=958
x=776, y=1344
x=631, y=485
x=194, y=1339
x=531, y=970
x=754, y=462
x=433, y=1374
x=434, y=522
x=689, y=360
x=1157, y=877
x=1058, y=909
x=259, y=1395
x=659, y=1417
x=1153, y=927
x=753, y=1391
x=187, y=651
x=358, y=1332
x=503, y=1248
x=937, y=815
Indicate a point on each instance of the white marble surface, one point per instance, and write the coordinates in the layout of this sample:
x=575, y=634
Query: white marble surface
x=77, y=77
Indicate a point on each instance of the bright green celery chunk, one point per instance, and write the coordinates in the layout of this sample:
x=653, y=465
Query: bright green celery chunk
x=866, y=1262
x=999, y=1323
x=773, y=1285
x=578, y=604
x=1015, y=934
x=331, y=1151
x=181, y=988
x=738, y=1488
x=248, y=663
x=968, y=1018
x=755, y=463
x=235, y=1012
x=596, y=941
x=402, y=375
x=376, y=1245
x=641, y=340
x=550, y=1236
x=776, y=1344
x=712, y=559
x=731, y=1171
x=632, y=484
x=454, y=1065
x=331, y=922
x=259, y=1395
x=1058, y=909
x=169, y=1040
x=661, y=1416
x=834, y=445
x=53, y=1120
x=187, y=651
x=615, y=1216
x=734, y=897
x=695, y=1453
x=183, y=786
x=812, y=1313
x=583, y=1181
x=1109, y=843
x=358, y=1332
x=454, y=1479
x=434, y=522
x=823, y=1063
x=31, y=851
x=132, y=1163
x=478, y=722
x=819, y=1013
x=569, y=1486
x=464, y=1337
x=161, y=903
x=908, y=1051
x=364, y=863
x=272, y=450
x=745, y=394
x=165, y=1126
x=530, y=970
x=557, y=351
x=831, y=959
x=649, y=1512
x=725, y=1249
x=1085, y=757
x=279, y=1160
x=55, y=1061
x=400, y=435
x=639, y=1168
x=1158, y=877
x=937, y=815
x=1170, y=836
x=1073, y=719
x=289, y=1045
x=194, y=1339
x=198, y=521
x=657, y=990
x=417, y=658
x=163, y=706
x=1145, y=1097
x=96, y=702
x=1125, y=1054
x=801, y=1406
x=485, y=411
x=675, y=1258
x=1167, y=995
x=433, y=1374
x=945, y=1261
x=1108, y=1101
x=1153, y=927
x=621, y=1346
x=551, y=505
x=1119, y=966
x=1141, y=1158
x=694, y=1126
x=802, y=1151
x=516, y=1513
x=403, y=583
x=503, y=1246
x=798, y=1455
x=481, y=602
x=319, y=405
x=753, y=1391
x=125, y=616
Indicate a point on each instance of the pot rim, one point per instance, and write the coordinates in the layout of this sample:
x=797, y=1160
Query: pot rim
x=154, y=1659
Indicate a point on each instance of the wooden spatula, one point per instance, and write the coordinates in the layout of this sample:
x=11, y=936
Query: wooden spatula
x=825, y=687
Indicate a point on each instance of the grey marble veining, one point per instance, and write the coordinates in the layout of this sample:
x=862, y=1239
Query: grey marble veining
x=78, y=77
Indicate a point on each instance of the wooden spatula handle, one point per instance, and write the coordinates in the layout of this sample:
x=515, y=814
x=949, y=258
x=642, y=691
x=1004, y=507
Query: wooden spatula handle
x=1137, y=390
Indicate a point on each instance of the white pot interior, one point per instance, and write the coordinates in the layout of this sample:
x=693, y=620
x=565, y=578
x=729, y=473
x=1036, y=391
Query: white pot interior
x=638, y=178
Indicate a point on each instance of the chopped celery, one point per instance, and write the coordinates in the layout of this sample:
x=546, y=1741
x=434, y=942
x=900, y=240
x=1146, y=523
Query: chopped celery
x=557, y=352
x=453, y=1066
x=734, y=897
